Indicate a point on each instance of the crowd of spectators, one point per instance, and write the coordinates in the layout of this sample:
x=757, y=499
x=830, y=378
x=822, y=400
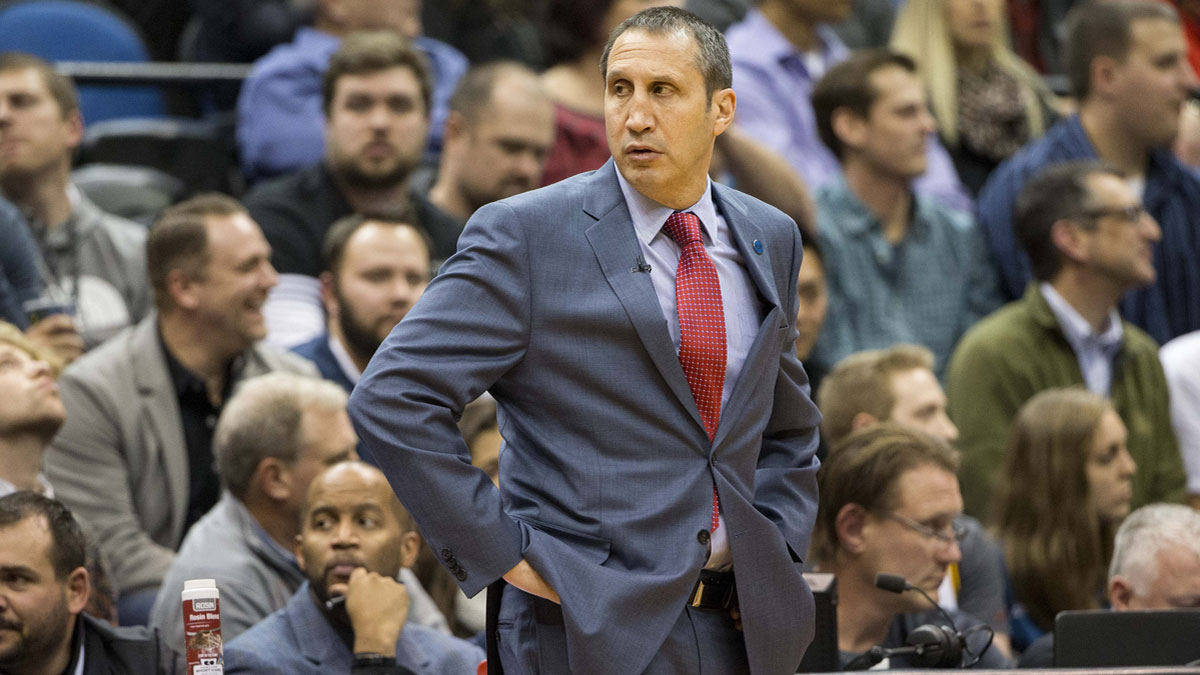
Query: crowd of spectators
x=998, y=309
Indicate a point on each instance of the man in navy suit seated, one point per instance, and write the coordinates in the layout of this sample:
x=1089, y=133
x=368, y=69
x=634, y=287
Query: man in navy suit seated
x=351, y=614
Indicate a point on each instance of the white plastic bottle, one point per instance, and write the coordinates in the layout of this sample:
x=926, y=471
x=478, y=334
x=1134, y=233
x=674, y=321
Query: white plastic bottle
x=202, y=627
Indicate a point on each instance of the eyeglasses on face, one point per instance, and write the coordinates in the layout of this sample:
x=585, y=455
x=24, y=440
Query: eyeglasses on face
x=1132, y=214
x=957, y=530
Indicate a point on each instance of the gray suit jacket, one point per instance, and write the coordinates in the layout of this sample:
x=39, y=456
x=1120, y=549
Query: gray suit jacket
x=120, y=461
x=606, y=474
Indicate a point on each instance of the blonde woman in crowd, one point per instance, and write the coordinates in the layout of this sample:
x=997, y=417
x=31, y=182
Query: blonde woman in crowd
x=988, y=102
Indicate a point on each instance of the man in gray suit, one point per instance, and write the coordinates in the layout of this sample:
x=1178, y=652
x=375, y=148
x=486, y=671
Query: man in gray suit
x=134, y=457
x=649, y=468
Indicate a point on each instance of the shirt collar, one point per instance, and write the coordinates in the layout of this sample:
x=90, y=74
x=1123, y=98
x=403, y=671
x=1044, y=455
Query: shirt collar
x=185, y=381
x=343, y=360
x=1077, y=329
x=649, y=216
x=854, y=218
x=277, y=550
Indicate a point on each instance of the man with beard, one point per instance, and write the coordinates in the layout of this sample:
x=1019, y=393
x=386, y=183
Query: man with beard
x=31, y=414
x=375, y=269
x=351, y=615
x=134, y=457
x=498, y=135
x=44, y=588
x=376, y=101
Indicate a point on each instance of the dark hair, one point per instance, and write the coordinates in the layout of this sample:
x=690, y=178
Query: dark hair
x=1104, y=28
x=474, y=90
x=60, y=86
x=571, y=27
x=68, y=546
x=864, y=469
x=712, y=54
x=369, y=52
x=334, y=245
x=848, y=85
x=1058, y=192
x=178, y=239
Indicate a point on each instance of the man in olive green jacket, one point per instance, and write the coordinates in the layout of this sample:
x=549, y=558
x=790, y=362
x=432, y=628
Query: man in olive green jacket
x=1090, y=241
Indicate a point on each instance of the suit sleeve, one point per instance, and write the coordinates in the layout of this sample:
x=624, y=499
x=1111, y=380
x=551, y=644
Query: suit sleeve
x=786, y=475
x=86, y=464
x=470, y=327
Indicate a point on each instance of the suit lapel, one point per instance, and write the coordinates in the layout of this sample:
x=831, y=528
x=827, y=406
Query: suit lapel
x=160, y=403
x=614, y=241
x=745, y=233
x=317, y=640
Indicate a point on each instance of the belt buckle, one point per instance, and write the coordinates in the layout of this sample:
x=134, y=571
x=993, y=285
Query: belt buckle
x=714, y=596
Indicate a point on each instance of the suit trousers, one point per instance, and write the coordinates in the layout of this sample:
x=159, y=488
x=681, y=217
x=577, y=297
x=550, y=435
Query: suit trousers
x=533, y=641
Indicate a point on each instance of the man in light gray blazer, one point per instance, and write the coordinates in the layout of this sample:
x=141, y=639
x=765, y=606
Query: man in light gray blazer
x=562, y=302
x=134, y=457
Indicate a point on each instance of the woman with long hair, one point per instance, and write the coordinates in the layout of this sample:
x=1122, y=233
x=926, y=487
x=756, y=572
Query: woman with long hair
x=988, y=102
x=1065, y=488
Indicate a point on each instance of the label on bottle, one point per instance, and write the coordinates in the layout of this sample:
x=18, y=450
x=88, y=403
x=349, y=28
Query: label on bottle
x=202, y=636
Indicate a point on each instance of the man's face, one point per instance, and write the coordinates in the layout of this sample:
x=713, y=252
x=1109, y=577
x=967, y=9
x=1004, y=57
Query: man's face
x=1151, y=86
x=401, y=16
x=384, y=271
x=814, y=301
x=891, y=140
x=376, y=127
x=1176, y=584
x=351, y=520
x=921, y=404
x=36, y=609
x=327, y=438
x=659, y=120
x=35, y=135
x=927, y=495
x=1110, y=470
x=504, y=149
x=1118, y=248
x=30, y=395
x=230, y=295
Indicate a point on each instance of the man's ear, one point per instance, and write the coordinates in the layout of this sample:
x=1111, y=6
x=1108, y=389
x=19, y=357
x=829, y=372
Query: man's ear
x=849, y=127
x=410, y=545
x=182, y=289
x=455, y=129
x=1120, y=593
x=299, y=551
x=73, y=128
x=78, y=588
x=1070, y=240
x=1103, y=74
x=328, y=294
x=849, y=524
x=724, y=102
x=862, y=420
x=274, y=479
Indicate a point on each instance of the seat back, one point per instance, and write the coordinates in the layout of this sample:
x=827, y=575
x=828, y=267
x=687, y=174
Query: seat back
x=67, y=30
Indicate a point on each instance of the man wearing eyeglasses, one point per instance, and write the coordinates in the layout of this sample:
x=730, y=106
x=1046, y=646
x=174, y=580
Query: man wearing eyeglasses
x=1090, y=242
x=889, y=499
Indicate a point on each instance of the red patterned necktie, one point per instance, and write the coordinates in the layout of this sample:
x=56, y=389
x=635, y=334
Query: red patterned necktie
x=701, y=324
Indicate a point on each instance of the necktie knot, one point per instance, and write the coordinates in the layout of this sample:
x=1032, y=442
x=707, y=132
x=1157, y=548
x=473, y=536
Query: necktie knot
x=683, y=227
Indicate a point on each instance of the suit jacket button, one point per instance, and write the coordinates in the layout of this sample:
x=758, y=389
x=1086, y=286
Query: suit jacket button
x=703, y=536
x=447, y=555
x=461, y=574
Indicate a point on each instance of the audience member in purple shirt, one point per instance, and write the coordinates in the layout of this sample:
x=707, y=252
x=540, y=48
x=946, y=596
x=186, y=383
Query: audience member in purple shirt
x=774, y=79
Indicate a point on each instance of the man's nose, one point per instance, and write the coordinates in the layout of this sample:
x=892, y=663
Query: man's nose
x=639, y=117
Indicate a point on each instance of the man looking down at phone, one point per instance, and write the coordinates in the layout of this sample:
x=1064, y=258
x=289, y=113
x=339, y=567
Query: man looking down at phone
x=351, y=615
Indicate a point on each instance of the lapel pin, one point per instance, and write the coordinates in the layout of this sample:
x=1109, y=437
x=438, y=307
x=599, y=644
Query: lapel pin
x=758, y=247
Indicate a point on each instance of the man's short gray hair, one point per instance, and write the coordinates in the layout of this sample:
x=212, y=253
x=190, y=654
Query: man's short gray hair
x=712, y=54
x=264, y=419
x=1147, y=531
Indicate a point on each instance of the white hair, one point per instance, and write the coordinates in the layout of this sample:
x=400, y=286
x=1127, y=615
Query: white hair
x=1147, y=531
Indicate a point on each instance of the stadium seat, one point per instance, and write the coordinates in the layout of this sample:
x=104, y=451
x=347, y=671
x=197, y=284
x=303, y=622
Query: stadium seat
x=199, y=153
x=66, y=30
x=138, y=193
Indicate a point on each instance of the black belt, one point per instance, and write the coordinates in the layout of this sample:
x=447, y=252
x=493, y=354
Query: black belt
x=715, y=591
